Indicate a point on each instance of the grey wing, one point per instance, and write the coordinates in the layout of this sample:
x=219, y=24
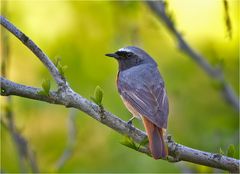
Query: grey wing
x=147, y=96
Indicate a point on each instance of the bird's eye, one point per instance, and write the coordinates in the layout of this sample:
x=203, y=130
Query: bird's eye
x=128, y=55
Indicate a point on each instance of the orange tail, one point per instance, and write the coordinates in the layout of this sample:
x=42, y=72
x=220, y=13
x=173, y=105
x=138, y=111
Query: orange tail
x=156, y=142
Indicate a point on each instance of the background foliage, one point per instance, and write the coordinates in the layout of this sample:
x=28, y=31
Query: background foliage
x=80, y=33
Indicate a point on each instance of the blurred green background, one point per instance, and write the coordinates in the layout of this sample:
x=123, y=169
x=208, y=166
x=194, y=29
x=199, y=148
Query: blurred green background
x=80, y=33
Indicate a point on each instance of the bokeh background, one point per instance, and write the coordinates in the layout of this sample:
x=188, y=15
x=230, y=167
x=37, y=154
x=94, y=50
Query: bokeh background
x=80, y=33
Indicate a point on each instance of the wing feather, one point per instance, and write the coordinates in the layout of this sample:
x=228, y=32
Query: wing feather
x=146, y=94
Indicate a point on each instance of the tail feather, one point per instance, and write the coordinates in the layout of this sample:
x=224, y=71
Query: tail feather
x=163, y=144
x=156, y=142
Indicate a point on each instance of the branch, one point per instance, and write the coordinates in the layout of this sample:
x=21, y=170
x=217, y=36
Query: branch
x=35, y=49
x=72, y=99
x=69, y=149
x=158, y=7
x=22, y=146
x=69, y=98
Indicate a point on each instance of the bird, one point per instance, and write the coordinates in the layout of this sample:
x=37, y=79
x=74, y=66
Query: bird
x=143, y=92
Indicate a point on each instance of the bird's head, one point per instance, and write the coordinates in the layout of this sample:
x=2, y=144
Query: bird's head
x=131, y=56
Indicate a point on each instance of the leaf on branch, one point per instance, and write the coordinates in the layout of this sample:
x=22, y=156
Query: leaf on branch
x=46, y=87
x=42, y=92
x=221, y=151
x=56, y=61
x=128, y=141
x=61, y=68
x=98, y=96
x=2, y=91
x=231, y=151
x=144, y=142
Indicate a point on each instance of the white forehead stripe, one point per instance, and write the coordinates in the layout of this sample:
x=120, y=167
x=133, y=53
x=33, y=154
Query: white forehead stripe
x=125, y=49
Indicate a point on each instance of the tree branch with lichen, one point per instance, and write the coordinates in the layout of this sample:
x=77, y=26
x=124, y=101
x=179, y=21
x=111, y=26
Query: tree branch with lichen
x=67, y=97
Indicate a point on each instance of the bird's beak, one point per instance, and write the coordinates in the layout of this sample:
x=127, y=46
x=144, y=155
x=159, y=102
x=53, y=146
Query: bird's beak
x=112, y=55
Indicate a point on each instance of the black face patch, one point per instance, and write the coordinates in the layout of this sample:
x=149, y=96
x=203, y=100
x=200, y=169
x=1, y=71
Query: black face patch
x=125, y=54
x=127, y=60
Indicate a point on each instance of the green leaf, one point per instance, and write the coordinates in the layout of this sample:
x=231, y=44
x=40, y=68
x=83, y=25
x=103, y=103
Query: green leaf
x=144, y=141
x=46, y=86
x=221, y=151
x=231, y=150
x=61, y=68
x=2, y=91
x=42, y=92
x=56, y=61
x=128, y=141
x=98, y=95
x=93, y=99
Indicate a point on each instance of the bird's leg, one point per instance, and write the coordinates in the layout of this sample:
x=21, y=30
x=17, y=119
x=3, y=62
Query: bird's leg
x=130, y=120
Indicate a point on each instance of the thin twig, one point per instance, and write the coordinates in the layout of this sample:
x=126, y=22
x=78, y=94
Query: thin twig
x=68, y=151
x=158, y=7
x=69, y=98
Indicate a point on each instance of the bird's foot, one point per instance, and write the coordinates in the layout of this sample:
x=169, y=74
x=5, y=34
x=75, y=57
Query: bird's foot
x=130, y=121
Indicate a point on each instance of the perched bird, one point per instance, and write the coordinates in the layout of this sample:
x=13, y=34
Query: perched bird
x=141, y=88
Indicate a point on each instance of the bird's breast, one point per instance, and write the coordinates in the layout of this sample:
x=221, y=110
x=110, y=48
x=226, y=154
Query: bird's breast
x=130, y=108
